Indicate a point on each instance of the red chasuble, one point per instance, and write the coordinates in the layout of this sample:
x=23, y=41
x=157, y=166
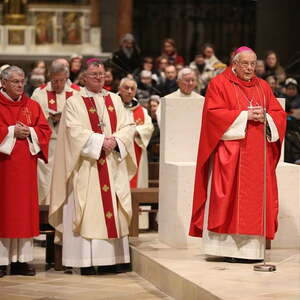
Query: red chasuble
x=19, y=210
x=139, y=119
x=236, y=198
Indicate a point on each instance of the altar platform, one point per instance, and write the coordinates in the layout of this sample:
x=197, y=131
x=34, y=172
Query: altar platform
x=186, y=274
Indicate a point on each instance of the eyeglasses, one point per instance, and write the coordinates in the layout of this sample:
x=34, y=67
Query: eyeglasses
x=245, y=64
x=189, y=80
x=128, y=88
x=54, y=81
x=95, y=75
x=17, y=82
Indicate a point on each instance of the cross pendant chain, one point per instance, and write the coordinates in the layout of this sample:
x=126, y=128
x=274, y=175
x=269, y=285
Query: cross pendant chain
x=101, y=124
x=250, y=103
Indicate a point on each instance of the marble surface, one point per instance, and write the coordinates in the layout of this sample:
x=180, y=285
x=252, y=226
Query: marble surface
x=53, y=285
x=175, y=204
x=180, y=131
x=182, y=272
x=288, y=178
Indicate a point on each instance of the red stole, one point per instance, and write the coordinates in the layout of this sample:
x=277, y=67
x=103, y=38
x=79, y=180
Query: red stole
x=139, y=119
x=75, y=87
x=52, y=104
x=104, y=180
x=107, y=87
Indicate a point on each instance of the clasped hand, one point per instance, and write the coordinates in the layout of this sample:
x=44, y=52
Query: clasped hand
x=109, y=144
x=55, y=117
x=256, y=114
x=21, y=131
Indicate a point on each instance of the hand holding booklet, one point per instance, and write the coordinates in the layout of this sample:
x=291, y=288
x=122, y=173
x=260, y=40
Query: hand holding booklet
x=53, y=112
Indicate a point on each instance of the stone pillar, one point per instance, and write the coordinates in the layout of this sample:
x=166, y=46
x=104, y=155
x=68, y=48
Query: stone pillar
x=180, y=130
x=288, y=178
x=95, y=31
x=95, y=13
x=124, y=17
x=109, y=24
x=288, y=235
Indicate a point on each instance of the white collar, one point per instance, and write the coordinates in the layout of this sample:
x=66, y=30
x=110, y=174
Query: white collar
x=6, y=95
x=67, y=87
x=89, y=93
x=184, y=95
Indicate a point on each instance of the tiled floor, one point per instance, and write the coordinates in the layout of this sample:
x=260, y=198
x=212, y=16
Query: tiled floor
x=52, y=285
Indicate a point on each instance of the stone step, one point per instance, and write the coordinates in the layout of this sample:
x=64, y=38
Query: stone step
x=187, y=274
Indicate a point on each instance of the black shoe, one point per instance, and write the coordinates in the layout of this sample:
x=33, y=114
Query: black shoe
x=241, y=260
x=68, y=270
x=102, y=270
x=3, y=271
x=123, y=268
x=114, y=269
x=88, y=271
x=19, y=268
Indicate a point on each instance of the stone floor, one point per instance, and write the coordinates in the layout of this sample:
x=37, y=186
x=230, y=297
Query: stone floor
x=187, y=274
x=52, y=285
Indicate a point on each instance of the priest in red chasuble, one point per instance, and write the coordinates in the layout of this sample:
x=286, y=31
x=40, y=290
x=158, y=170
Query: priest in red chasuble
x=90, y=200
x=24, y=137
x=52, y=97
x=228, y=192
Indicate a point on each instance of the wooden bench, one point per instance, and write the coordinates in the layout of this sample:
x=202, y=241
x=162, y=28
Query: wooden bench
x=141, y=196
x=153, y=169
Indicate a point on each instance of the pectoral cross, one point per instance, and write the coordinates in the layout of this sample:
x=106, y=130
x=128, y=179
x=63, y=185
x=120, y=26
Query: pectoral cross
x=101, y=124
x=250, y=103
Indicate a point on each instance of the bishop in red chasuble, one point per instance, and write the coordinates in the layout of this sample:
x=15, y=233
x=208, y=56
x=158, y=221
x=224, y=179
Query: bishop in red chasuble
x=228, y=192
x=24, y=137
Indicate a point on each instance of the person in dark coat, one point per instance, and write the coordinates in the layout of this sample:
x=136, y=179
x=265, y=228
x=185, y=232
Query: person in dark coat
x=127, y=58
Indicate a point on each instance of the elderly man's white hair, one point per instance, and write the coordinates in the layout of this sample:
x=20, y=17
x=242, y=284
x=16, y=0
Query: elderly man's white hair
x=238, y=56
x=185, y=71
x=125, y=80
x=57, y=67
x=155, y=98
x=61, y=60
x=146, y=73
x=6, y=73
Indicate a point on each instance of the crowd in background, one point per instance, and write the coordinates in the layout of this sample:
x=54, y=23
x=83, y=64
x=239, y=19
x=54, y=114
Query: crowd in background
x=157, y=77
